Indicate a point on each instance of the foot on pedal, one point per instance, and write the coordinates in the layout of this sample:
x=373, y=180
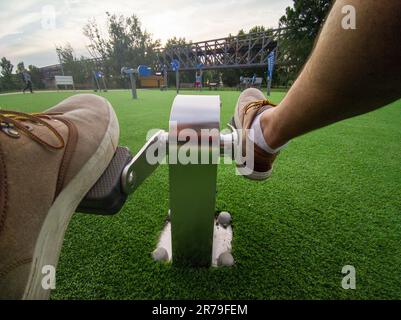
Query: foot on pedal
x=107, y=197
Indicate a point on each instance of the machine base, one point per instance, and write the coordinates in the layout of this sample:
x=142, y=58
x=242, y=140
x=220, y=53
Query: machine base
x=222, y=238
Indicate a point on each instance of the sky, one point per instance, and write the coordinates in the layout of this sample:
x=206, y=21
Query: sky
x=31, y=29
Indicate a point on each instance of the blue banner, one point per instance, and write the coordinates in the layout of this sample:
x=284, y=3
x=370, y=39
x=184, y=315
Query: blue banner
x=271, y=60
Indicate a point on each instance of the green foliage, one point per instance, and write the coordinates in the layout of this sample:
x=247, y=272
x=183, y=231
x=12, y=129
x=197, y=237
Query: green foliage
x=7, y=79
x=10, y=81
x=36, y=77
x=176, y=41
x=303, y=22
x=126, y=44
x=257, y=29
x=81, y=68
x=20, y=67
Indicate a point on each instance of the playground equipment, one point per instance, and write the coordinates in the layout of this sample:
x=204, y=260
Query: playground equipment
x=98, y=77
x=193, y=237
x=175, y=65
x=129, y=72
x=165, y=78
x=149, y=80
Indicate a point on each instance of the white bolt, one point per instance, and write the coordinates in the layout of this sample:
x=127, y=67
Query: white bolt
x=224, y=219
x=226, y=259
x=160, y=254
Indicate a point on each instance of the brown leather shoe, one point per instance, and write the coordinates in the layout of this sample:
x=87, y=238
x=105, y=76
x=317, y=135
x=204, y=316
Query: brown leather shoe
x=256, y=164
x=48, y=162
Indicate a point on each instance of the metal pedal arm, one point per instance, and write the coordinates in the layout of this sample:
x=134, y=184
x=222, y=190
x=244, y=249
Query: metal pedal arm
x=139, y=169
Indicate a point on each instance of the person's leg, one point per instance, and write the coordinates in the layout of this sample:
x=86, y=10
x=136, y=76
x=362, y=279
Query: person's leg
x=30, y=86
x=350, y=72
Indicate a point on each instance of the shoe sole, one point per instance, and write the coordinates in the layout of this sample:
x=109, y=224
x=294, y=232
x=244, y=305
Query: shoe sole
x=241, y=168
x=51, y=236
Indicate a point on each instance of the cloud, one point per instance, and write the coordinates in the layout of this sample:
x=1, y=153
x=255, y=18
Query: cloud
x=30, y=29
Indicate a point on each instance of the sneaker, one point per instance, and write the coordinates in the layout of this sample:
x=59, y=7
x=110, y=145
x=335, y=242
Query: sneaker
x=250, y=104
x=48, y=162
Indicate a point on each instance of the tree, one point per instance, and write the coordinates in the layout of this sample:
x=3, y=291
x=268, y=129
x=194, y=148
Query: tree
x=71, y=65
x=257, y=29
x=126, y=44
x=176, y=41
x=80, y=68
x=20, y=67
x=7, y=81
x=303, y=23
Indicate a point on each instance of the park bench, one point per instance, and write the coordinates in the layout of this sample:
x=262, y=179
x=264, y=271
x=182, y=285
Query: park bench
x=64, y=81
x=247, y=83
x=186, y=85
x=213, y=85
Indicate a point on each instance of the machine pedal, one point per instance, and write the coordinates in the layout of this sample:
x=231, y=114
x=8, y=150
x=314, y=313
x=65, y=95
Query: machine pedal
x=107, y=196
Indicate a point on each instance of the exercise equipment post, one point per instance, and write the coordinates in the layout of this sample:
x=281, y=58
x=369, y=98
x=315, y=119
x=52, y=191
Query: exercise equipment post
x=193, y=186
x=130, y=72
x=175, y=64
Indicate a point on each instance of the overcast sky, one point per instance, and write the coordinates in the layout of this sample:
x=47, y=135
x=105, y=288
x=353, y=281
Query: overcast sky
x=30, y=29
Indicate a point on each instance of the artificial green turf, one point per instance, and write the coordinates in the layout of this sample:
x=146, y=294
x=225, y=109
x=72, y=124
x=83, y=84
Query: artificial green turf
x=334, y=200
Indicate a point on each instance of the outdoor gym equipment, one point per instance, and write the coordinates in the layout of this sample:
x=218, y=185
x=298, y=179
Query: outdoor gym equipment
x=175, y=65
x=193, y=238
x=165, y=78
x=125, y=71
x=149, y=79
x=99, y=75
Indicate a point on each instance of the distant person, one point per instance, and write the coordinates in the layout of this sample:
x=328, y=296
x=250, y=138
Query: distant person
x=26, y=77
x=198, y=80
x=241, y=83
x=253, y=79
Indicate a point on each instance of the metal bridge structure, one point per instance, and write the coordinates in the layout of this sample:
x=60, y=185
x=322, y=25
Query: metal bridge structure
x=242, y=51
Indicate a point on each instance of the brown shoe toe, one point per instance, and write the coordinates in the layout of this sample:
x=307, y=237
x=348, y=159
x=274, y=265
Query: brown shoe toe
x=48, y=166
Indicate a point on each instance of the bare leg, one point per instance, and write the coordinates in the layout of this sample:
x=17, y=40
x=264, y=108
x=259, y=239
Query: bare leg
x=350, y=72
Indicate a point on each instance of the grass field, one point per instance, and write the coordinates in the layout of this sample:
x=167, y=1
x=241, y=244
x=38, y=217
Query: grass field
x=334, y=200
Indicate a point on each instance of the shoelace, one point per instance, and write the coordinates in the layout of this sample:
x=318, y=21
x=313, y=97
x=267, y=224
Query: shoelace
x=258, y=105
x=10, y=119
